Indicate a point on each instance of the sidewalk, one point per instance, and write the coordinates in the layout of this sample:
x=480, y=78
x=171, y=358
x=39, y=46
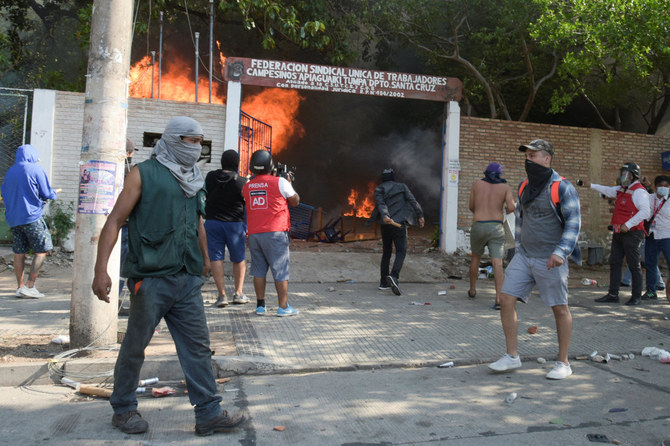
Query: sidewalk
x=357, y=366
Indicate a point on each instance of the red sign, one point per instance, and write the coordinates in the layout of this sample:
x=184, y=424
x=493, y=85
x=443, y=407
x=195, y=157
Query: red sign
x=304, y=76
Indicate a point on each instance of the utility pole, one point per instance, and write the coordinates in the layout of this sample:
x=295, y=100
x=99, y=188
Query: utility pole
x=102, y=156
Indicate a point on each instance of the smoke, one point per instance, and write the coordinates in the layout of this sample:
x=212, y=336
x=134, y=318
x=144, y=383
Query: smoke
x=416, y=160
x=350, y=139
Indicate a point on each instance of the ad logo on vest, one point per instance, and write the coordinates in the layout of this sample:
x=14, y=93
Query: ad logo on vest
x=258, y=199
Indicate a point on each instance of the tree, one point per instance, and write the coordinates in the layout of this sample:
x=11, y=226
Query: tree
x=487, y=42
x=616, y=55
x=38, y=44
x=44, y=43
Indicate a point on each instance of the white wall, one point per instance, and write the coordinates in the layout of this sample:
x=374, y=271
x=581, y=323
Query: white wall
x=63, y=142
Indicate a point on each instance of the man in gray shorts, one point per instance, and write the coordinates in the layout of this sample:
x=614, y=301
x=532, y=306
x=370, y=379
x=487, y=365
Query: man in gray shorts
x=266, y=199
x=548, y=221
x=488, y=196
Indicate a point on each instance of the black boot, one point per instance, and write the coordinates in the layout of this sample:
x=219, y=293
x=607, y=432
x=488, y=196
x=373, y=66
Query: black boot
x=607, y=298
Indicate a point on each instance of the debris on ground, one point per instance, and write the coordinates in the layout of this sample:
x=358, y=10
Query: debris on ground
x=656, y=353
x=509, y=399
x=598, y=438
x=61, y=339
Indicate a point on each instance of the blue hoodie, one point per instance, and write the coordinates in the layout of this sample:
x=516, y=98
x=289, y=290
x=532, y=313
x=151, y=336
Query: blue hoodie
x=26, y=188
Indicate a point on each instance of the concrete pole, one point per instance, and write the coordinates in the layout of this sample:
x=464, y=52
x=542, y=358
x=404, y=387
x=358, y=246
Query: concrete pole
x=160, y=55
x=450, y=170
x=102, y=154
x=211, y=45
x=233, y=104
x=197, y=62
x=153, y=66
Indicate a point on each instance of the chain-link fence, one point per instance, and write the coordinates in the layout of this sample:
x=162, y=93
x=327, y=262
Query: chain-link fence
x=14, y=107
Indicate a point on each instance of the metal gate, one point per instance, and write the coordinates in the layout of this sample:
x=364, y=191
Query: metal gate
x=254, y=135
x=14, y=105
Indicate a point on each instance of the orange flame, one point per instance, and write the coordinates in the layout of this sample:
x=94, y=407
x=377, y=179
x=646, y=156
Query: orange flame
x=361, y=208
x=274, y=106
x=177, y=82
x=278, y=108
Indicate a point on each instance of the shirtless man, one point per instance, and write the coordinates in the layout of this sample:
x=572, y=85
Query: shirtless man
x=488, y=196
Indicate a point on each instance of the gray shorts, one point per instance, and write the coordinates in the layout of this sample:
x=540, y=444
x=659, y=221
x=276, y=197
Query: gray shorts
x=269, y=250
x=524, y=273
x=488, y=233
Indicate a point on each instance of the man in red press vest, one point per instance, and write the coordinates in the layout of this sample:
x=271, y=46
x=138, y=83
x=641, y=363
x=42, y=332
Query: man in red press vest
x=631, y=209
x=268, y=222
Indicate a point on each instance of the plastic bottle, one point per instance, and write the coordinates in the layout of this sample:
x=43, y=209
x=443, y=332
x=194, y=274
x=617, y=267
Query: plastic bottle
x=510, y=398
x=489, y=271
x=590, y=282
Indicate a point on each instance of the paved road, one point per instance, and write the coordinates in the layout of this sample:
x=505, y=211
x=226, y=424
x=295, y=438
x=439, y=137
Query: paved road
x=358, y=367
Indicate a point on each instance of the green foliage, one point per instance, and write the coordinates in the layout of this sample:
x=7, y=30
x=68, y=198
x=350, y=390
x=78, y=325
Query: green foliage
x=616, y=54
x=45, y=44
x=38, y=38
x=60, y=220
x=485, y=43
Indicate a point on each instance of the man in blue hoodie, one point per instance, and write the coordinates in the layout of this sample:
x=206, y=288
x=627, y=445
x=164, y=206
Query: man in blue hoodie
x=25, y=192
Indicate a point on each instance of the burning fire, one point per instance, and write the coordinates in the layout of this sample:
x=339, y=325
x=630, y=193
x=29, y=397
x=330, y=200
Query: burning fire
x=275, y=106
x=278, y=108
x=177, y=82
x=364, y=207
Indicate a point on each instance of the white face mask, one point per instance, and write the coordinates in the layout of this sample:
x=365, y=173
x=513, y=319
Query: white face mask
x=662, y=191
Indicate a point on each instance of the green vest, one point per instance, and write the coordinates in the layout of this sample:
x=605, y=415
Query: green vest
x=163, y=227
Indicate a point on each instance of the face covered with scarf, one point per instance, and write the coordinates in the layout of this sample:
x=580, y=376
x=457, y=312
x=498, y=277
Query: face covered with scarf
x=180, y=156
x=539, y=173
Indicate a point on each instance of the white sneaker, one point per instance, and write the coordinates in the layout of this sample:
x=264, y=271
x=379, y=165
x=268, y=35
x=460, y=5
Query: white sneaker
x=240, y=298
x=561, y=370
x=30, y=293
x=507, y=362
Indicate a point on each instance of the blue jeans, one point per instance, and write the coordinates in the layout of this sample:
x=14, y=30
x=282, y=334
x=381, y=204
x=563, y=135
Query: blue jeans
x=653, y=250
x=177, y=299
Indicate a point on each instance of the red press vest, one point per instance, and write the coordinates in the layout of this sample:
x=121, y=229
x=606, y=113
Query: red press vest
x=624, y=208
x=267, y=209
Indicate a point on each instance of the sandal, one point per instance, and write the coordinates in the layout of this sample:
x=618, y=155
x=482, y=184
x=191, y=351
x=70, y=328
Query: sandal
x=495, y=307
x=472, y=295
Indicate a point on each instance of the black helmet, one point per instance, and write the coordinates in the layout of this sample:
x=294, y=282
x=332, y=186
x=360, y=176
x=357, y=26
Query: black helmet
x=633, y=168
x=261, y=162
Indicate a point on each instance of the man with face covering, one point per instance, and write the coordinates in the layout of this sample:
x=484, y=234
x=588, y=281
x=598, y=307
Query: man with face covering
x=548, y=221
x=163, y=200
x=488, y=196
x=631, y=209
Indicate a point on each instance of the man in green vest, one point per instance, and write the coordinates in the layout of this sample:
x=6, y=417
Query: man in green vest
x=163, y=202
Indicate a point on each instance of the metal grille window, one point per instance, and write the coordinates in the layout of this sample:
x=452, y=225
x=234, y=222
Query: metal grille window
x=254, y=135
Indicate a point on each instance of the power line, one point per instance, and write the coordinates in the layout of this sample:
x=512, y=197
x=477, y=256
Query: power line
x=188, y=19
